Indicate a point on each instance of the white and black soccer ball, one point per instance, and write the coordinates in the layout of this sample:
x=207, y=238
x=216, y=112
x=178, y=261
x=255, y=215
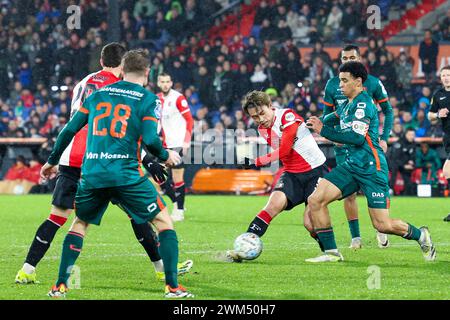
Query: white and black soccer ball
x=248, y=246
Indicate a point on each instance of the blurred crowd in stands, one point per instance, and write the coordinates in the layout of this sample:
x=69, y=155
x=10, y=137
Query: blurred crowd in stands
x=41, y=61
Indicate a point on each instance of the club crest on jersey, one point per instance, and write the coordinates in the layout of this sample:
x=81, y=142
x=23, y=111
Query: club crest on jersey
x=359, y=114
x=289, y=117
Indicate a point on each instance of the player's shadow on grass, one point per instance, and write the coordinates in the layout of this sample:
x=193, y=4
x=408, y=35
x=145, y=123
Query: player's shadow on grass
x=227, y=294
x=144, y=289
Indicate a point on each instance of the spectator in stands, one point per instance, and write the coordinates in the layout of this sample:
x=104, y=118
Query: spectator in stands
x=403, y=70
x=262, y=12
x=424, y=102
x=143, y=10
x=423, y=124
x=319, y=51
x=397, y=130
x=385, y=71
x=252, y=52
x=371, y=47
x=294, y=69
x=306, y=12
x=372, y=63
x=283, y=32
x=428, y=160
x=202, y=81
x=300, y=31
x=279, y=14
x=381, y=45
x=320, y=68
x=267, y=32
x=313, y=33
x=292, y=18
x=242, y=84
x=18, y=170
x=436, y=32
x=334, y=21
x=259, y=79
x=428, y=52
x=193, y=15
x=221, y=88
x=350, y=23
x=407, y=121
x=402, y=156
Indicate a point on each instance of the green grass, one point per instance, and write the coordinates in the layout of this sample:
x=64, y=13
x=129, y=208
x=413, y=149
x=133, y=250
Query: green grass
x=114, y=266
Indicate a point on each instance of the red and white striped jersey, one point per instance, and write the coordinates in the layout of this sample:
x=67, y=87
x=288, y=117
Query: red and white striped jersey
x=74, y=153
x=305, y=154
x=173, y=124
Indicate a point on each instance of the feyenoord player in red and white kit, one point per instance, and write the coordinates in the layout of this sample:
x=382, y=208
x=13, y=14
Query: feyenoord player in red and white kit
x=70, y=172
x=176, y=124
x=293, y=144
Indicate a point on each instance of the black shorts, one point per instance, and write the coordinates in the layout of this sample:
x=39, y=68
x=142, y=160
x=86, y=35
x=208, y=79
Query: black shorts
x=298, y=186
x=66, y=187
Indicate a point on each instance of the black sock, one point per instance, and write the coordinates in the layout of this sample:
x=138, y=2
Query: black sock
x=260, y=224
x=180, y=194
x=168, y=190
x=147, y=238
x=41, y=242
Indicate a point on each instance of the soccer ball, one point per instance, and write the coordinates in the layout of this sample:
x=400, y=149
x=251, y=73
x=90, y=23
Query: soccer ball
x=248, y=246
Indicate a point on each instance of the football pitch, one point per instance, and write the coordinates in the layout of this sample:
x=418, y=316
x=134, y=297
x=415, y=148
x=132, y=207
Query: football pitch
x=114, y=266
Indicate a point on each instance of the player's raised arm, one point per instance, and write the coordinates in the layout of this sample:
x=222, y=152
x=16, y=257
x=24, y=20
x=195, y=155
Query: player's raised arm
x=331, y=119
x=286, y=143
x=151, y=139
x=78, y=121
x=183, y=106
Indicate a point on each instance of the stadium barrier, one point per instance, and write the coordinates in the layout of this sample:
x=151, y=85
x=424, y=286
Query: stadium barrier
x=224, y=156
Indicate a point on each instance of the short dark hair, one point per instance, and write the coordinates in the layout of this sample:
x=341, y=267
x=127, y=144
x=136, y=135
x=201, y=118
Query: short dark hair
x=445, y=68
x=255, y=99
x=356, y=69
x=351, y=47
x=136, y=61
x=409, y=129
x=165, y=74
x=112, y=54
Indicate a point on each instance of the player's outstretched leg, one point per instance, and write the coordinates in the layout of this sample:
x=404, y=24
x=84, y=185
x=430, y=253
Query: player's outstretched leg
x=169, y=252
x=149, y=240
x=351, y=211
x=325, y=193
x=383, y=223
x=41, y=242
x=72, y=245
x=276, y=204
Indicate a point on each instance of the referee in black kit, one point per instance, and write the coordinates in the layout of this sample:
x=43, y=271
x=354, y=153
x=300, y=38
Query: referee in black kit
x=440, y=108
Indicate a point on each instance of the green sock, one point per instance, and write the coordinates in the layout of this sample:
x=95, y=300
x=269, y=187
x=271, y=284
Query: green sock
x=168, y=249
x=413, y=233
x=326, y=237
x=354, y=228
x=71, y=250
